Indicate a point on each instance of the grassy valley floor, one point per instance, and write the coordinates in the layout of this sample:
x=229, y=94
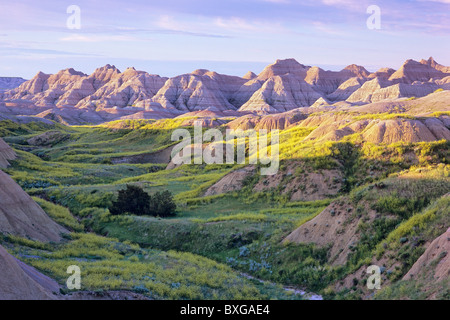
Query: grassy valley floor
x=218, y=246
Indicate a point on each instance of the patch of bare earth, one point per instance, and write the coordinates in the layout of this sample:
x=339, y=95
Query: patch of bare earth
x=302, y=183
x=48, y=138
x=17, y=284
x=335, y=227
x=435, y=260
x=21, y=216
x=6, y=154
x=231, y=182
x=332, y=227
x=161, y=156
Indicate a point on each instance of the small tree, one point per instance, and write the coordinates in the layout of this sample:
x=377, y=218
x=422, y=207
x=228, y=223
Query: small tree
x=133, y=200
x=162, y=204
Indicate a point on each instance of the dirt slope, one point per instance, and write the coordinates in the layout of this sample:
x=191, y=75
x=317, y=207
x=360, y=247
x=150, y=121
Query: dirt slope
x=334, y=128
x=302, y=183
x=48, y=138
x=161, y=156
x=231, y=182
x=16, y=284
x=21, y=216
x=6, y=153
x=435, y=259
x=333, y=227
x=391, y=131
x=19, y=281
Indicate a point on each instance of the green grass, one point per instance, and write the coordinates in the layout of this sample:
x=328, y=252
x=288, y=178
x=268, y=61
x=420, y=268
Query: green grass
x=415, y=290
x=212, y=239
x=107, y=264
x=60, y=214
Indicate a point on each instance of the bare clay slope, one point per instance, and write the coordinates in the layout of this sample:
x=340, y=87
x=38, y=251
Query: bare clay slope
x=6, y=154
x=16, y=284
x=436, y=258
x=21, y=216
x=333, y=227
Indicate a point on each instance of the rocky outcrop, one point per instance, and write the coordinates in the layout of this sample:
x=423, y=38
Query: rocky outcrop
x=46, y=89
x=122, y=89
x=320, y=103
x=354, y=70
x=106, y=87
x=444, y=83
x=404, y=130
x=281, y=94
x=249, y=76
x=8, y=83
x=327, y=82
x=329, y=128
x=246, y=91
x=287, y=84
x=198, y=91
x=284, y=67
x=108, y=94
x=413, y=79
x=323, y=81
x=383, y=73
x=412, y=71
x=19, y=214
x=246, y=122
x=402, y=90
x=335, y=127
x=88, y=86
x=346, y=89
x=433, y=64
x=367, y=90
x=279, y=121
x=203, y=122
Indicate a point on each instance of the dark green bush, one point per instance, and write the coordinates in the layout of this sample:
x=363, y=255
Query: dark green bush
x=162, y=204
x=134, y=200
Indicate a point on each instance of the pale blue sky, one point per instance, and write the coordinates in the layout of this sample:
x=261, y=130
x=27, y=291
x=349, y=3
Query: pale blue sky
x=170, y=37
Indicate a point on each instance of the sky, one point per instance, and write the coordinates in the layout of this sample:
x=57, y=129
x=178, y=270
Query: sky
x=172, y=37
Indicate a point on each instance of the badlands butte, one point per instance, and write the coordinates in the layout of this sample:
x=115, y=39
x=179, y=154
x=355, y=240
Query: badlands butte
x=364, y=180
x=73, y=97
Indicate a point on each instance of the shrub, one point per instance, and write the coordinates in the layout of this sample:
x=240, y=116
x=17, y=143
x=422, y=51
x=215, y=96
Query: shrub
x=403, y=207
x=134, y=200
x=162, y=204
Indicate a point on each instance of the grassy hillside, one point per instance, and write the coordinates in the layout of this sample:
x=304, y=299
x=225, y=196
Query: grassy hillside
x=390, y=192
